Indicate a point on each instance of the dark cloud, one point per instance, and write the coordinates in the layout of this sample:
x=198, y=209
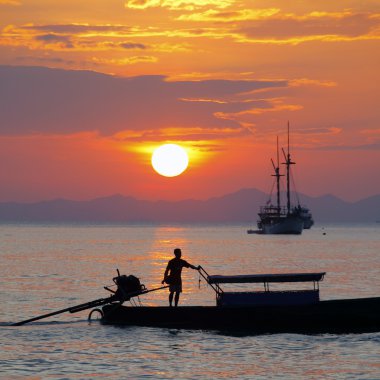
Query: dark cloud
x=131, y=45
x=126, y=45
x=76, y=28
x=54, y=38
x=41, y=100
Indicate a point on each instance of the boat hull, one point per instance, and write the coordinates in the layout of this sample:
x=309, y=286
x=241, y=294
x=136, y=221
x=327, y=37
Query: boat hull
x=335, y=316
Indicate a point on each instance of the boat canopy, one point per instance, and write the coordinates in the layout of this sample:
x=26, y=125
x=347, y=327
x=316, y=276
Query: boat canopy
x=266, y=278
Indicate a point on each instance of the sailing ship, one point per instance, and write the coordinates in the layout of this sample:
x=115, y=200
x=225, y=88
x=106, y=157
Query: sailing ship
x=278, y=219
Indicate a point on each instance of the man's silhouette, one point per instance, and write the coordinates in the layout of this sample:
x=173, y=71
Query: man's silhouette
x=172, y=276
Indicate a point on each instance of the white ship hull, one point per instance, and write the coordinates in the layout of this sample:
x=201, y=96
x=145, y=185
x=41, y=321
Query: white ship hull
x=291, y=225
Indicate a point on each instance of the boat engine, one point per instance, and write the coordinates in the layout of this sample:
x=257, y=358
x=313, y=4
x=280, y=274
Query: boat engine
x=127, y=287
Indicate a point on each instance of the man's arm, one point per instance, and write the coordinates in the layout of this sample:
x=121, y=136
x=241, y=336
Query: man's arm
x=188, y=265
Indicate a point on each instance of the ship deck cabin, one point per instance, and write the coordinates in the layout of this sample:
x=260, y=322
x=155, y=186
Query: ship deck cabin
x=270, y=210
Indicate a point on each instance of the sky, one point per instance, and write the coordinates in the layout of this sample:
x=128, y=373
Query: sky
x=88, y=90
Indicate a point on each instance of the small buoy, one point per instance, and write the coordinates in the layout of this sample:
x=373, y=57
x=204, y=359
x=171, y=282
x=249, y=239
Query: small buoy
x=324, y=233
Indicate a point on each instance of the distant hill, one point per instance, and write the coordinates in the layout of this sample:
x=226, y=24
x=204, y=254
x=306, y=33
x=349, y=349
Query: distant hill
x=238, y=207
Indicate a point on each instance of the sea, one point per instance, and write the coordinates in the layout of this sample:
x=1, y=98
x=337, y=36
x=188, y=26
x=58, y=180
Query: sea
x=45, y=268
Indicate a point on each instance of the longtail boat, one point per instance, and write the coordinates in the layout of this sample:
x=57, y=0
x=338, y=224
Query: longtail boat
x=264, y=311
x=267, y=311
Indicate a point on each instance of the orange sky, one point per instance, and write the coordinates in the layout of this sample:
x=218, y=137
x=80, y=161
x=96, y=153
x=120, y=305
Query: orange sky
x=220, y=77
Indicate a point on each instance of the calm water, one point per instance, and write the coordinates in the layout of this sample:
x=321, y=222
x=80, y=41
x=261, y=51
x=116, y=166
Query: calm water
x=46, y=268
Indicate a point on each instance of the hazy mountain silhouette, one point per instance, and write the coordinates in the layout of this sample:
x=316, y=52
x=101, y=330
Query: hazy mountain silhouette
x=241, y=206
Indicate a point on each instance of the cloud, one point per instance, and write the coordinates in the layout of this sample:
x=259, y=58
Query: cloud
x=80, y=37
x=274, y=26
x=311, y=82
x=126, y=61
x=204, y=100
x=44, y=60
x=345, y=147
x=10, y=2
x=121, y=45
x=73, y=37
x=205, y=20
x=188, y=5
x=318, y=131
x=260, y=107
x=172, y=47
x=131, y=45
x=193, y=134
x=227, y=16
x=372, y=136
x=77, y=28
x=76, y=101
x=142, y=4
x=325, y=138
x=63, y=41
x=290, y=28
x=371, y=132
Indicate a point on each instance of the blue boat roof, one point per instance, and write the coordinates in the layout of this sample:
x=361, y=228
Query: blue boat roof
x=266, y=278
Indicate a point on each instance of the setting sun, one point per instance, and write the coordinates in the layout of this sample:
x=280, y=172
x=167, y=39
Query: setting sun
x=170, y=160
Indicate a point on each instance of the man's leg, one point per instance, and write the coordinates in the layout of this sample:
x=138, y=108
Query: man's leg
x=176, y=298
x=170, y=298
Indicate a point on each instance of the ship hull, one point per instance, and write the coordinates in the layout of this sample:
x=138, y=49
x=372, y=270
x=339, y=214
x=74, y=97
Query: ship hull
x=308, y=223
x=335, y=316
x=289, y=225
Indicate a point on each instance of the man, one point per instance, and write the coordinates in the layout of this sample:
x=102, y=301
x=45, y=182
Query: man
x=172, y=276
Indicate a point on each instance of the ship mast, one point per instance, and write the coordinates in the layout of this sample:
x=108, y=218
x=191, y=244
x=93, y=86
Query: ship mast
x=288, y=162
x=277, y=175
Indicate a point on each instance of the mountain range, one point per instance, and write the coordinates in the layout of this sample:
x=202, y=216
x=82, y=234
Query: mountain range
x=238, y=207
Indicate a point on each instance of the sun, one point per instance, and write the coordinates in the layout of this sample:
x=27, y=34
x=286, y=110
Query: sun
x=170, y=160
